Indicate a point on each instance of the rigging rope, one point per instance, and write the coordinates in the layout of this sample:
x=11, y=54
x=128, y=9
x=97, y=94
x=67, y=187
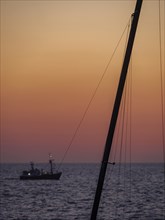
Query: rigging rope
x=130, y=130
x=118, y=127
x=122, y=124
x=92, y=97
x=162, y=94
x=121, y=127
x=125, y=142
x=161, y=77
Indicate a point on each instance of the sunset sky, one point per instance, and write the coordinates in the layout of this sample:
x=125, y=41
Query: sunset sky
x=53, y=54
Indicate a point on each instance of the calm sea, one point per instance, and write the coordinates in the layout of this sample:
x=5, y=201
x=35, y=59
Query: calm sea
x=135, y=192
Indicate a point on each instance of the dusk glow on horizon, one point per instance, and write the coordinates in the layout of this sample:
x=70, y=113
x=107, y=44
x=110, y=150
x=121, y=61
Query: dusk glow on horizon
x=53, y=55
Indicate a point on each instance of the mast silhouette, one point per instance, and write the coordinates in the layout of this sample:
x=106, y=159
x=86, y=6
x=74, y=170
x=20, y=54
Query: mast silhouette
x=116, y=107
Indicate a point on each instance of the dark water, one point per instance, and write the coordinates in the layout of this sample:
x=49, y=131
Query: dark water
x=72, y=197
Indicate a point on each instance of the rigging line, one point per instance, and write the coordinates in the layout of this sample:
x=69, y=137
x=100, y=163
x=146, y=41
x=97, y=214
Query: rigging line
x=126, y=130
x=122, y=123
x=161, y=76
x=92, y=97
x=122, y=110
x=127, y=88
x=125, y=125
x=122, y=114
x=164, y=61
x=122, y=136
x=130, y=129
x=117, y=141
x=121, y=126
x=128, y=29
x=117, y=133
x=129, y=136
x=118, y=130
x=126, y=133
x=115, y=147
x=162, y=96
x=127, y=96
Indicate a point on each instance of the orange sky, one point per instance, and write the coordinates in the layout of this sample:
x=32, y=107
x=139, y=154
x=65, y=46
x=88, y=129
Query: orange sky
x=53, y=54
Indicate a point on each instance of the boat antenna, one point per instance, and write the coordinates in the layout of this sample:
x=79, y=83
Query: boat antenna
x=51, y=163
x=116, y=107
x=32, y=165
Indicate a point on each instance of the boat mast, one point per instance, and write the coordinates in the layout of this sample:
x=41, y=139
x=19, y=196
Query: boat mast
x=116, y=109
x=51, y=166
x=51, y=163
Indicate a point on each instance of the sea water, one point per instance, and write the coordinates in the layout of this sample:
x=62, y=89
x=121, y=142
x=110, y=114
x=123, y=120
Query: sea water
x=129, y=192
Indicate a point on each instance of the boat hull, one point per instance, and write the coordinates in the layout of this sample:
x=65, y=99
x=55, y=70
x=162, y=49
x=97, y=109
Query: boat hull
x=55, y=176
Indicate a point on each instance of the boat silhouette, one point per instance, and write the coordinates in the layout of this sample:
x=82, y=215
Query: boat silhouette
x=36, y=174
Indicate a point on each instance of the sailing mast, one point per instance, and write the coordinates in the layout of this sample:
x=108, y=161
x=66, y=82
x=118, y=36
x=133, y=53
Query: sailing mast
x=116, y=109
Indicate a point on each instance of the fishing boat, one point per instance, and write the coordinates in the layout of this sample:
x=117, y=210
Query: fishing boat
x=36, y=174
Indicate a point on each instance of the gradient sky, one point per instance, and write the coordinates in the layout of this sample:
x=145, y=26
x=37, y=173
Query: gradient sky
x=53, y=54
